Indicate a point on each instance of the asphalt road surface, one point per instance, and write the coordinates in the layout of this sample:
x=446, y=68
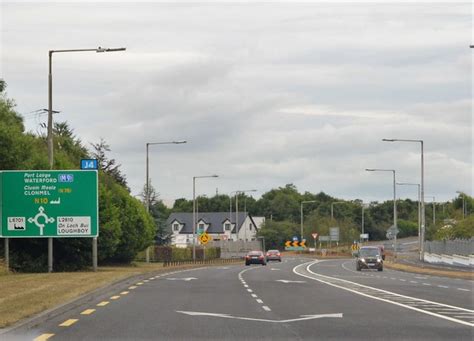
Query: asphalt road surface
x=297, y=299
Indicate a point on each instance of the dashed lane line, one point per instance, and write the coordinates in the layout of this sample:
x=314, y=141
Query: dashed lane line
x=254, y=296
x=88, y=312
x=259, y=300
x=43, y=337
x=461, y=289
x=266, y=308
x=115, y=297
x=124, y=292
x=132, y=287
x=443, y=286
x=102, y=304
x=68, y=323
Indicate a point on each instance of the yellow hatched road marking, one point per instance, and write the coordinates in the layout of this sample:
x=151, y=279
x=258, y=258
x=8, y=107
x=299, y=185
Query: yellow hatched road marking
x=68, y=323
x=87, y=311
x=43, y=337
x=103, y=303
x=132, y=287
x=124, y=292
x=115, y=297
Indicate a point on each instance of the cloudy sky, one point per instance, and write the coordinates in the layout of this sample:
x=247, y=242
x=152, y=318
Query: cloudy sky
x=265, y=93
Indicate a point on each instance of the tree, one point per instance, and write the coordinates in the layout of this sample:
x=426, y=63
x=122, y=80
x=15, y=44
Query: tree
x=109, y=166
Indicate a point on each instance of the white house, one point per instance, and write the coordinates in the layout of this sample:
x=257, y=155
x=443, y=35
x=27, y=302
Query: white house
x=217, y=224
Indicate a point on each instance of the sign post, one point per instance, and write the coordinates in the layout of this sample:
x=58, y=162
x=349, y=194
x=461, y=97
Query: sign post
x=49, y=204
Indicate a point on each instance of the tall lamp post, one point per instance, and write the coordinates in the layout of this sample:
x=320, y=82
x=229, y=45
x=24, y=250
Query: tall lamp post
x=49, y=138
x=434, y=208
x=419, y=209
x=194, y=209
x=422, y=191
x=301, y=213
x=463, y=204
x=147, y=182
x=394, y=198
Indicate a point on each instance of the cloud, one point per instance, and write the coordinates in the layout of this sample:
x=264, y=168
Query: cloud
x=265, y=95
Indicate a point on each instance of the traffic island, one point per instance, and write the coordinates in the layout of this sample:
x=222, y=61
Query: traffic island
x=429, y=270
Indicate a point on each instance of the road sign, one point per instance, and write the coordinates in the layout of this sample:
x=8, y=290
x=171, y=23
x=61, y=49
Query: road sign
x=44, y=204
x=200, y=231
x=334, y=234
x=295, y=238
x=364, y=236
x=315, y=235
x=355, y=247
x=89, y=164
x=204, y=238
x=295, y=245
x=323, y=238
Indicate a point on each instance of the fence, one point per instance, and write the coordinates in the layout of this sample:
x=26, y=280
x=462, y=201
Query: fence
x=460, y=247
x=236, y=249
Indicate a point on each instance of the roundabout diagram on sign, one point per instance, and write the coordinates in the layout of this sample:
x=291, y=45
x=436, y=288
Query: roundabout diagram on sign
x=43, y=215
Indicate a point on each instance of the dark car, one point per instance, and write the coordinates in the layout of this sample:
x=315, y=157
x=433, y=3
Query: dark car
x=369, y=257
x=273, y=255
x=255, y=257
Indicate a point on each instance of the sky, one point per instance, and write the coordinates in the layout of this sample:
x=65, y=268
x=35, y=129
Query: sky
x=265, y=93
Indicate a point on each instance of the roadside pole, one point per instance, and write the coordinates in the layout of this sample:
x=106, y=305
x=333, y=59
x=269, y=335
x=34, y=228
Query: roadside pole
x=7, y=255
x=94, y=254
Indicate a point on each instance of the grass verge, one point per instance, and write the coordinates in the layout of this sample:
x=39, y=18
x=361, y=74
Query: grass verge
x=24, y=295
x=429, y=271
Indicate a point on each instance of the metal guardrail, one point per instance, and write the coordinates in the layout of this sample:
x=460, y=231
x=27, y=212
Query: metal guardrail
x=202, y=262
x=460, y=247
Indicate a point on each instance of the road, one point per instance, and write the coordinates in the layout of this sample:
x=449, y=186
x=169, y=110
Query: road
x=297, y=299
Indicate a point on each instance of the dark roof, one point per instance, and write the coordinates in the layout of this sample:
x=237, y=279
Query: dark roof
x=214, y=219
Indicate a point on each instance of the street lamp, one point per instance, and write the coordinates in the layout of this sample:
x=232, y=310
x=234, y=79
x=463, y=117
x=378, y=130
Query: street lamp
x=194, y=209
x=237, y=211
x=50, y=139
x=147, y=186
x=422, y=191
x=332, y=207
x=419, y=211
x=463, y=204
x=434, y=209
x=394, y=198
x=304, y=202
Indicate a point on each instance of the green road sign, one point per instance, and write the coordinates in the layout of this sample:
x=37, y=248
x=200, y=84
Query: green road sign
x=43, y=204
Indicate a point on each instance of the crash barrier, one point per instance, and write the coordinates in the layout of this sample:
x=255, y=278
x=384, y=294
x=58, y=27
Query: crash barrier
x=203, y=262
x=462, y=247
x=178, y=254
x=456, y=260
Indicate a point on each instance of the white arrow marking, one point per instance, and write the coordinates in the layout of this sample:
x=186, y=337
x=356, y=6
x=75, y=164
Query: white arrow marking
x=274, y=269
x=181, y=279
x=287, y=281
x=228, y=316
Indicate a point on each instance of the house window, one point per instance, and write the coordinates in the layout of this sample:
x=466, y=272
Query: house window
x=227, y=227
x=201, y=226
x=176, y=227
x=250, y=227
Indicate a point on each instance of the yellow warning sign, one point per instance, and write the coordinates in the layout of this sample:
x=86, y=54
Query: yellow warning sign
x=204, y=238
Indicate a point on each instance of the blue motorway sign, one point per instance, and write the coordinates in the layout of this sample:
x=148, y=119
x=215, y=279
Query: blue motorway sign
x=89, y=164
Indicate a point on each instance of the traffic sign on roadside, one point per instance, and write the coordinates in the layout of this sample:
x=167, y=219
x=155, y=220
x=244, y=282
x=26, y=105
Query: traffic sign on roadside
x=204, y=238
x=315, y=235
x=45, y=204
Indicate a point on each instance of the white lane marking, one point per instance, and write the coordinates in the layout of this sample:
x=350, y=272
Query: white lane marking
x=249, y=290
x=413, y=282
x=288, y=281
x=187, y=279
x=414, y=300
x=274, y=269
x=228, y=316
x=246, y=286
x=443, y=286
x=426, y=284
x=266, y=308
x=462, y=289
x=259, y=300
x=393, y=278
x=418, y=277
x=403, y=280
x=254, y=296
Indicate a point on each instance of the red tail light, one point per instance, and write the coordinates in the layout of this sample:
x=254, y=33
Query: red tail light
x=261, y=257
